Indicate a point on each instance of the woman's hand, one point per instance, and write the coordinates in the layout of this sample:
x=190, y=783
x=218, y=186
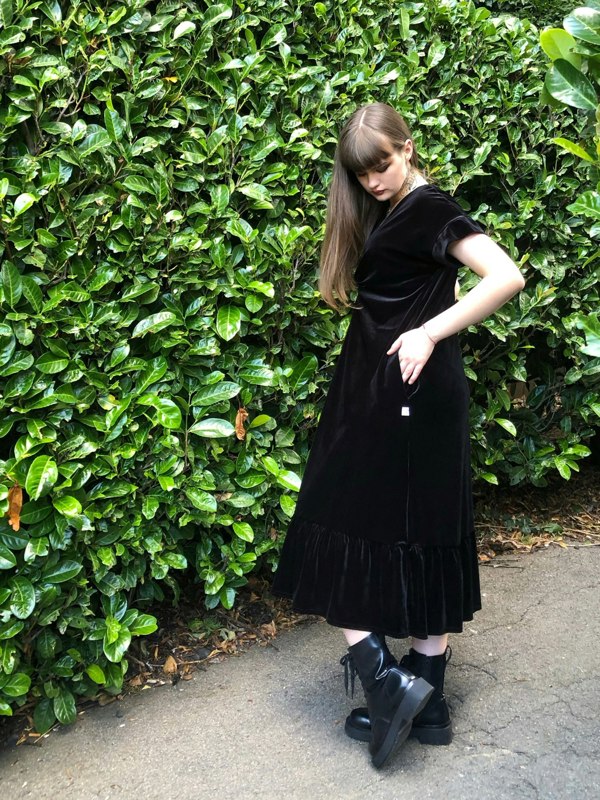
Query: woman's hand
x=414, y=348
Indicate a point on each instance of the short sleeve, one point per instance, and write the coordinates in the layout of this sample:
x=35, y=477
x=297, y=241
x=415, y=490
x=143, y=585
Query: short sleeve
x=455, y=229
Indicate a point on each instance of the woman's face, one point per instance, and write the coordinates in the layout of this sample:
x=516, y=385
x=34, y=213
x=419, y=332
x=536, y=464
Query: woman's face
x=386, y=179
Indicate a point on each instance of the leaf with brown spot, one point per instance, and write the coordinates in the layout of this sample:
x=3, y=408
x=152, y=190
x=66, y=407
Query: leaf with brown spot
x=15, y=504
x=240, y=418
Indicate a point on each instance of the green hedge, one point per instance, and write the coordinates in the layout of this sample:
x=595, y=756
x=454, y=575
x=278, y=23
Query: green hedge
x=163, y=177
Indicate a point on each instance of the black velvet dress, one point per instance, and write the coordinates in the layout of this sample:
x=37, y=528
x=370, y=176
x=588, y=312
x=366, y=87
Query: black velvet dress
x=382, y=536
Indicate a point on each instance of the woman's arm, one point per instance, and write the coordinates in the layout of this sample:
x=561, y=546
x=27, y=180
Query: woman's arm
x=500, y=280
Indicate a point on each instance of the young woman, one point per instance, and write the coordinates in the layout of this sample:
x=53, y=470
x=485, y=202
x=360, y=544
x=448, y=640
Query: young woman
x=382, y=539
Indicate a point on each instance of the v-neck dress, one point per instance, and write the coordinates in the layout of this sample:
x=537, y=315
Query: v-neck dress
x=382, y=536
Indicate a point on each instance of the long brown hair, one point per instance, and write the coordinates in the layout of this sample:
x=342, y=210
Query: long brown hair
x=351, y=211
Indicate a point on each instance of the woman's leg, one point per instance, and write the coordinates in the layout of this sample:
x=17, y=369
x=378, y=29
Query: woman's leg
x=352, y=636
x=432, y=646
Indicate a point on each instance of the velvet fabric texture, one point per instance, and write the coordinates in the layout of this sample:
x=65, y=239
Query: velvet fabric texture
x=382, y=537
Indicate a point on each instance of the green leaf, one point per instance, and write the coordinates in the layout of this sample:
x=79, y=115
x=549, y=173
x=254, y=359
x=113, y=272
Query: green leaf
x=213, y=428
x=49, y=364
x=229, y=321
x=33, y=293
x=259, y=193
x=138, y=185
x=185, y=27
x=574, y=148
x=260, y=420
x=168, y=413
x=61, y=572
x=558, y=43
x=22, y=597
x=507, y=425
x=243, y=531
x=11, y=283
x=216, y=393
x=303, y=372
x=16, y=685
x=584, y=24
x=43, y=715
x=115, y=126
x=288, y=505
x=489, y=477
x=23, y=202
x=93, y=142
x=570, y=86
x=94, y=671
x=289, y=480
x=115, y=651
x=7, y=558
x=143, y=625
x=67, y=506
x=41, y=477
x=215, y=13
x=64, y=707
x=587, y=205
x=220, y=198
x=274, y=36
x=154, y=323
x=6, y=12
x=201, y=500
x=241, y=500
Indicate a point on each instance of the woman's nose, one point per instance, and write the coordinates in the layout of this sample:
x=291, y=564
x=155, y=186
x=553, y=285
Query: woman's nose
x=372, y=179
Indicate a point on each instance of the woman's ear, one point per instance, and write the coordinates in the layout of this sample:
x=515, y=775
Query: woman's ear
x=408, y=147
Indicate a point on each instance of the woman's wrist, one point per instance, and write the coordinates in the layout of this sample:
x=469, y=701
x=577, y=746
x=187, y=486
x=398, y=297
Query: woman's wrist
x=428, y=334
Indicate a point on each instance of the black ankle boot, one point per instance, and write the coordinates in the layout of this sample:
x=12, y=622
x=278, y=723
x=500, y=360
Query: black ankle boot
x=432, y=725
x=394, y=695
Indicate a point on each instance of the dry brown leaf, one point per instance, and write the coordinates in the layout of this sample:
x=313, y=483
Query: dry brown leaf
x=240, y=418
x=15, y=504
x=170, y=665
x=268, y=629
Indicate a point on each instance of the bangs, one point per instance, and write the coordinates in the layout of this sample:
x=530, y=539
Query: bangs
x=363, y=150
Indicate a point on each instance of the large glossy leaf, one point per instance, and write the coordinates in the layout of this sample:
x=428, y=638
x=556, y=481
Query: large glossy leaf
x=303, y=372
x=213, y=428
x=584, y=24
x=154, y=323
x=570, y=86
x=558, y=43
x=587, y=204
x=216, y=393
x=63, y=571
x=229, y=320
x=22, y=601
x=12, y=283
x=201, y=500
x=41, y=477
x=64, y=707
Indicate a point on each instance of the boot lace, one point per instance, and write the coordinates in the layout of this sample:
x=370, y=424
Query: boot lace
x=350, y=672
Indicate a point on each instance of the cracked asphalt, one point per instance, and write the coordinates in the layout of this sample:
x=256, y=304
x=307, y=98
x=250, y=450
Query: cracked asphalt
x=523, y=686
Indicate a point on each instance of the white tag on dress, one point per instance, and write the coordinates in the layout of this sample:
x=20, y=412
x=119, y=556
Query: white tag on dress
x=405, y=411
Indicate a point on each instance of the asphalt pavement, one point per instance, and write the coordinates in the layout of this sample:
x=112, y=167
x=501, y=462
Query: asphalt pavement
x=523, y=685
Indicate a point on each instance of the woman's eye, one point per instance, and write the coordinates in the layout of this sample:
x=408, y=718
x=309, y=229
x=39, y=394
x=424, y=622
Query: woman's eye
x=382, y=168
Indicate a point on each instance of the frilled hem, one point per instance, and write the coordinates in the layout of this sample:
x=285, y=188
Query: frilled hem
x=400, y=589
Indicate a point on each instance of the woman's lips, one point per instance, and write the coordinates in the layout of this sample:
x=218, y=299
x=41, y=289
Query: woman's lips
x=378, y=192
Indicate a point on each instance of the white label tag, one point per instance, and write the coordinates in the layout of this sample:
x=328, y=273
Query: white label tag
x=405, y=411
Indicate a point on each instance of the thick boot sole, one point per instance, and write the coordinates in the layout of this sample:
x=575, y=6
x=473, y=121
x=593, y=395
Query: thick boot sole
x=414, y=701
x=439, y=735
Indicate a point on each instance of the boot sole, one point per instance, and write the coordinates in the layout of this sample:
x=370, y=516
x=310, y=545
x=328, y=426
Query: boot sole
x=414, y=701
x=425, y=735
